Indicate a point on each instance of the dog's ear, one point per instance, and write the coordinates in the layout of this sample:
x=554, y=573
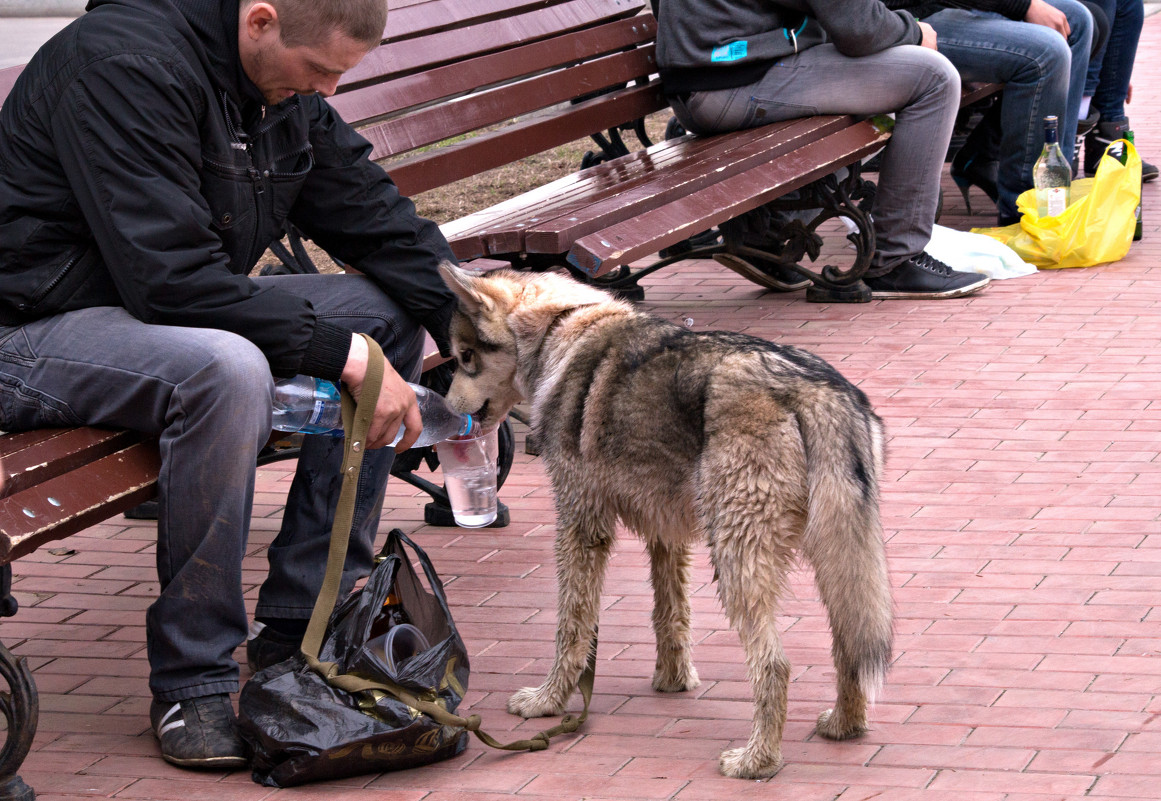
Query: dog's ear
x=462, y=283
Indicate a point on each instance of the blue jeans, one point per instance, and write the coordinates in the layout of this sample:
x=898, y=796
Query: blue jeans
x=1110, y=70
x=207, y=395
x=915, y=83
x=1042, y=75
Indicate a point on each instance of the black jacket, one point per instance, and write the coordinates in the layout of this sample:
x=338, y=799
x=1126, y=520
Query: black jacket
x=704, y=45
x=140, y=168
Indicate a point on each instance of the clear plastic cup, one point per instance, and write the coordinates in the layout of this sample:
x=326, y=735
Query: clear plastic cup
x=469, y=474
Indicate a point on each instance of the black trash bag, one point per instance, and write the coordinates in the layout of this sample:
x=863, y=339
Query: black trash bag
x=301, y=729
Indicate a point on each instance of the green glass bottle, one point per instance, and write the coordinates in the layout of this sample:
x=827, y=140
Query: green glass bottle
x=1137, y=211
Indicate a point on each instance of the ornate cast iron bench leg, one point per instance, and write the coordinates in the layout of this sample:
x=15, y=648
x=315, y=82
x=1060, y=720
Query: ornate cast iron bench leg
x=20, y=704
x=773, y=240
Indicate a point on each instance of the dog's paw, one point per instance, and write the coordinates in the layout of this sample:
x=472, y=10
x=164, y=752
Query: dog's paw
x=832, y=727
x=533, y=702
x=675, y=679
x=739, y=763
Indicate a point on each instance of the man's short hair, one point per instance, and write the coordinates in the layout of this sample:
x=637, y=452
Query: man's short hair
x=309, y=22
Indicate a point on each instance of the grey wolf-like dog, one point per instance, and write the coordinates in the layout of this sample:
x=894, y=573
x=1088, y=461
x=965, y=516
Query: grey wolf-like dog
x=765, y=452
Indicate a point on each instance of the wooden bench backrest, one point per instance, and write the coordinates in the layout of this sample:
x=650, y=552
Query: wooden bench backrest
x=450, y=68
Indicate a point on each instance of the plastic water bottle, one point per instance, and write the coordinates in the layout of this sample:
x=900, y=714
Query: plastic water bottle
x=1052, y=174
x=313, y=406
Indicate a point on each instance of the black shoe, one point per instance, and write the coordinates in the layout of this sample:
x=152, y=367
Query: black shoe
x=973, y=169
x=266, y=646
x=1099, y=138
x=1148, y=171
x=923, y=276
x=1083, y=128
x=198, y=732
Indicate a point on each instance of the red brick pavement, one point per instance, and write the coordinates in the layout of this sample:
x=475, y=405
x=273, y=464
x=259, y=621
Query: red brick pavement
x=1021, y=510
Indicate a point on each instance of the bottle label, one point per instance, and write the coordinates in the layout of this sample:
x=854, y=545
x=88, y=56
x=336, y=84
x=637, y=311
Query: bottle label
x=1056, y=200
x=319, y=409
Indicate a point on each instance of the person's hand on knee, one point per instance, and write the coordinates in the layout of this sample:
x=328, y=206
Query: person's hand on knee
x=1040, y=13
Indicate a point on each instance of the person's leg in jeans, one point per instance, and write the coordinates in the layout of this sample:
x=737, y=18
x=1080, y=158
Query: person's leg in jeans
x=298, y=554
x=918, y=84
x=1035, y=64
x=1112, y=89
x=206, y=394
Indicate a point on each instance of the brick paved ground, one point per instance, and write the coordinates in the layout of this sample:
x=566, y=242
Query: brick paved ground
x=1020, y=505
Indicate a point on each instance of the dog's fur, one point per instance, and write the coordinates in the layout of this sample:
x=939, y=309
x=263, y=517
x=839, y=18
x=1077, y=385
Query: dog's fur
x=764, y=451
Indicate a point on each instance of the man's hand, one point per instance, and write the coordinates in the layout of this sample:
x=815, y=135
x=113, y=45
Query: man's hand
x=929, y=37
x=396, y=404
x=1040, y=13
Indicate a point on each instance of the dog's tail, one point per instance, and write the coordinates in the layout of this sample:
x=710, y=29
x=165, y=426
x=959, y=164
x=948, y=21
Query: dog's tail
x=843, y=539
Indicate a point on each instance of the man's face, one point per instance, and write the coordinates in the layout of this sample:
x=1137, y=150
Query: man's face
x=280, y=71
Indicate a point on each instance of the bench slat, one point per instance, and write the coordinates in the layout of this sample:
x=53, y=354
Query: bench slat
x=480, y=110
x=495, y=149
x=451, y=46
x=625, y=242
x=726, y=156
x=33, y=457
x=83, y=497
x=380, y=100
x=549, y=220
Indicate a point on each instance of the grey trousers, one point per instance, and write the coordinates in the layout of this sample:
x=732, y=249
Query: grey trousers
x=207, y=395
x=919, y=85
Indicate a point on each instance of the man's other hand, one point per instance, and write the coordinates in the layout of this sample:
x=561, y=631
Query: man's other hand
x=397, y=405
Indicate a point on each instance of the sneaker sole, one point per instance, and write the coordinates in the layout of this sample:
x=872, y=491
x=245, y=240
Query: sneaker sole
x=749, y=271
x=208, y=763
x=892, y=294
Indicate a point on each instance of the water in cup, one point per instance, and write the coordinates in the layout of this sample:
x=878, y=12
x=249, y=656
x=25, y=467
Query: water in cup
x=472, y=494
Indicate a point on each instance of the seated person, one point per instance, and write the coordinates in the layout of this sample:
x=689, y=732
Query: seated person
x=149, y=153
x=752, y=62
x=1107, y=85
x=1039, y=50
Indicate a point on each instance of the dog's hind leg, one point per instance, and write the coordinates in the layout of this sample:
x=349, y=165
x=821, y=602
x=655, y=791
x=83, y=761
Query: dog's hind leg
x=669, y=574
x=583, y=543
x=751, y=565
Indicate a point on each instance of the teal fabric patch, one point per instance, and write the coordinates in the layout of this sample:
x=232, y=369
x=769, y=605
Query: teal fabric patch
x=734, y=51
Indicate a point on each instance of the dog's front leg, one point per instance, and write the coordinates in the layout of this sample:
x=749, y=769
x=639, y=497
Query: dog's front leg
x=583, y=543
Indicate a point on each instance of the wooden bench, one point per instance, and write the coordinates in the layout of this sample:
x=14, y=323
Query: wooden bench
x=460, y=87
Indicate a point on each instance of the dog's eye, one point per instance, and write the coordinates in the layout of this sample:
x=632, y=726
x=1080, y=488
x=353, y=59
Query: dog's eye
x=466, y=356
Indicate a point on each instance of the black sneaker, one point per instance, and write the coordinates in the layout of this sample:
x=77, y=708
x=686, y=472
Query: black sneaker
x=923, y=276
x=198, y=732
x=266, y=647
x=1148, y=171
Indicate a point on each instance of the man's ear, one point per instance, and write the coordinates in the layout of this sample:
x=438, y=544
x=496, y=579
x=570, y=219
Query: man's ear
x=462, y=283
x=257, y=20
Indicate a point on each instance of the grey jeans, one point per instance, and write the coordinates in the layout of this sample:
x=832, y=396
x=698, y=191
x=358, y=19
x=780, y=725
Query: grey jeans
x=207, y=395
x=919, y=85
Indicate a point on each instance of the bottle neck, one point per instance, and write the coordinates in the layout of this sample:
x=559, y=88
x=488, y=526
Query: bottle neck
x=1050, y=137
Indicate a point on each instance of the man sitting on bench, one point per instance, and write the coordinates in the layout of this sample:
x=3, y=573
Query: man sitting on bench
x=149, y=153
x=727, y=66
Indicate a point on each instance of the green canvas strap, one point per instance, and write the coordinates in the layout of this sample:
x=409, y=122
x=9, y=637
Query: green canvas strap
x=356, y=424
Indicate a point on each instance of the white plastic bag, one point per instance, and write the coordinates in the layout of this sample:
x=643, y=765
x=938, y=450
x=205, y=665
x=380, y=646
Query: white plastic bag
x=976, y=253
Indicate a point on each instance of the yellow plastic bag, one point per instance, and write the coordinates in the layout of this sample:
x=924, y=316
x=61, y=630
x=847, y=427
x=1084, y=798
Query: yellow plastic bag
x=1097, y=226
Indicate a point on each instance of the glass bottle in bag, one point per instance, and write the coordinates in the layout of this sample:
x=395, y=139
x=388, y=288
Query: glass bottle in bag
x=1137, y=231
x=1052, y=174
x=313, y=406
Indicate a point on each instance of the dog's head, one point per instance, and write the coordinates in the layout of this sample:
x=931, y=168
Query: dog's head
x=502, y=319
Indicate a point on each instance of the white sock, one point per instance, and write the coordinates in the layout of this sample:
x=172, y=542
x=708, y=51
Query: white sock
x=1084, y=104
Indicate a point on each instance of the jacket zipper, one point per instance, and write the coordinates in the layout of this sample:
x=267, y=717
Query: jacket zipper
x=51, y=285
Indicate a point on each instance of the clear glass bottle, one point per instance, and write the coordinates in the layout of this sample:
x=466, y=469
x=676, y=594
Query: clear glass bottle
x=313, y=406
x=1052, y=174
